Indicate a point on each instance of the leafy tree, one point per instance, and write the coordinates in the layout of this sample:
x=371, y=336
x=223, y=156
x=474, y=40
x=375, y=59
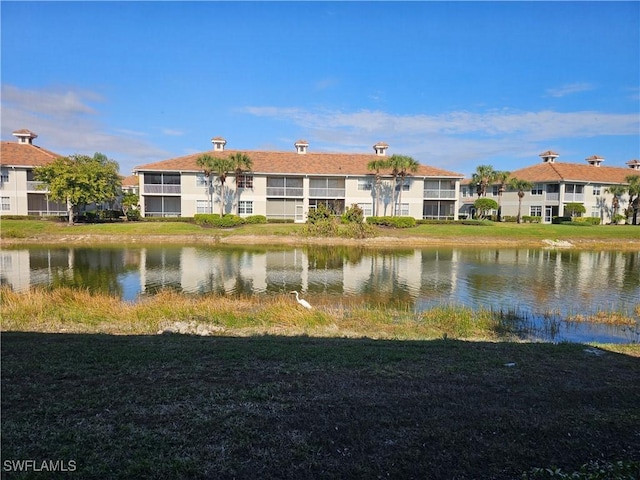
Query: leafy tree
x=400, y=166
x=79, y=180
x=484, y=206
x=377, y=165
x=129, y=201
x=634, y=196
x=519, y=186
x=482, y=178
x=617, y=191
x=219, y=167
x=572, y=209
x=241, y=163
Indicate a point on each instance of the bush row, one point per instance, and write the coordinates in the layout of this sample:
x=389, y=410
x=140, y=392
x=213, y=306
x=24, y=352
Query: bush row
x=226, y=221
x=396, y=222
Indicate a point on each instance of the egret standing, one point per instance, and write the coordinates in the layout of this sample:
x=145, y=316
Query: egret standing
x=301, y=301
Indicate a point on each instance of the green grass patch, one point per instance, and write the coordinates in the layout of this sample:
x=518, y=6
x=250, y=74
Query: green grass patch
x=188, y=407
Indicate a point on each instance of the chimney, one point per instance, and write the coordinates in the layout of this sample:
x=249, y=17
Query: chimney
x=218, y=144
x=381, y=148
x=25, y=136
x=549, y=156
x=302, y=146
x=634, y=164
x=595, y=160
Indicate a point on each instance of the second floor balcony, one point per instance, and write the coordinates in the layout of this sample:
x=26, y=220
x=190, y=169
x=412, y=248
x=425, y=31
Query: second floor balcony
x=162, y=188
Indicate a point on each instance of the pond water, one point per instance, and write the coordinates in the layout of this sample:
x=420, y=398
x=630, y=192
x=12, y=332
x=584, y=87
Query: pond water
x=543, y=285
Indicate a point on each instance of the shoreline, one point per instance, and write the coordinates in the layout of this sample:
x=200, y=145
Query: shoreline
x=284, y=240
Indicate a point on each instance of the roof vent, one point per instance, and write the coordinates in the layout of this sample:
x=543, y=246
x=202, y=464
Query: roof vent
x=595, y=160
x=381, y=148
x=302, y=146
x=218, y=144
x=549, y=156
x=25, y=136
x=635, y=164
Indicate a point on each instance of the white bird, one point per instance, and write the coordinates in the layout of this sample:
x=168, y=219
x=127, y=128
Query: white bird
x=301, y=301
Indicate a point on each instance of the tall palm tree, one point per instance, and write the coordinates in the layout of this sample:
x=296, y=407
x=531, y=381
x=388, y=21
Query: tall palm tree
x=377, y=165
x=241, y=163
x=520, y=186
x=634, y=195
x=400, y=166
x=220, y=166
x=617, y=191
x=482, y=178
x=501, y=177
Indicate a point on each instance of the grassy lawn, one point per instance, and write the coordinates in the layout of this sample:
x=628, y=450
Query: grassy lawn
x=627, y=236
x=173, y=406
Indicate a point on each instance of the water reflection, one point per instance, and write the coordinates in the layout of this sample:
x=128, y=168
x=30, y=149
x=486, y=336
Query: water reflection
x=536, y=282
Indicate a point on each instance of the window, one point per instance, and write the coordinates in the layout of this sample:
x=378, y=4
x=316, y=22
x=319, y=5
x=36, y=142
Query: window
x=5, y=203
x=365, y=184
x=595, y=211
x=4, y=174
x=537, y=189
x=201, y=180
x=367, y=209
x=535, y=210
x=405, y=184
x=573, y=188
x=245, y=207
x=402, y=210
x=245, y=181
x=596, y=189
x=202, y=206
x=495, y=190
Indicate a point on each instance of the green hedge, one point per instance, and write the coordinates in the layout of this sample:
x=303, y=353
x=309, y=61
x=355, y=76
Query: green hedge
x=215, y=220
x=396, y=222
x=253, y=219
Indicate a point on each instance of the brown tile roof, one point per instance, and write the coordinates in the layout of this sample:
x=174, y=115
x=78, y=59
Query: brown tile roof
x=130, y=181
x=292, y=163
x=568, y=172
x=25, y=155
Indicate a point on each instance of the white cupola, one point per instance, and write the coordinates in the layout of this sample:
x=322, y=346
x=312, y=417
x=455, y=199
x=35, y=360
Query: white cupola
x=25, y=136
x=549, y=156
x=302, y=146
x=595, y=160
x=218, y=144
x=634, y=164
x=381, y=148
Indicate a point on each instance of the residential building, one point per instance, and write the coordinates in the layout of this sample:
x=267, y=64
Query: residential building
x=555, y=184
x=20, y=194
x=285, y=185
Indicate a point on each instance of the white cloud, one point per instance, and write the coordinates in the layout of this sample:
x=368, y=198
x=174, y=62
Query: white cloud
x=67, y=122
x=569, y=89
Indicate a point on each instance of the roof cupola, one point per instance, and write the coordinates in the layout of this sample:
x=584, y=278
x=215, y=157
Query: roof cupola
x=381, y=148
x=302, y=146
x=635, y=164
x=25, y=136
x=549, y=156
x=218, y=144
x=595, y=160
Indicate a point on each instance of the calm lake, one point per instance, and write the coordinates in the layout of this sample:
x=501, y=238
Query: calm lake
x=542, y=284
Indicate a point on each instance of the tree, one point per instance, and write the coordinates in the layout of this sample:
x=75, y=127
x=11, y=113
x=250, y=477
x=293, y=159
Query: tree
x=377, y=165
x=220, y=167
x=501, y=177
x=129, y=201
x=241, y=163
x=520, y=186
x=617, y=191
x=482, y=178
x=573, y=208
x=484, y=206
x=79, y=180
x=634, y=196
x=400, y=166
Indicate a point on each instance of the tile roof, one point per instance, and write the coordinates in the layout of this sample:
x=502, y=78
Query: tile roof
x=25, y=155
x=567, y=172
x=130, y=181
x=292, y=163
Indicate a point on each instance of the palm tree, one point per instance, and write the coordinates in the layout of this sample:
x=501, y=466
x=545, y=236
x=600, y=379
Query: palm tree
x=241, y=163
x=634, y=191
x=376, y=165
x=520, y=186
x=220, y=166
x=400, y=166
x=617, y=191
x=482, y=178
x=501, y=177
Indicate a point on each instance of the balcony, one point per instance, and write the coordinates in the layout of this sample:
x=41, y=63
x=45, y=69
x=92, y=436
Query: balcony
x=326, y=192
x=552, y=196
x=284, y=192
x=33, y=186
x=574, y=197
x=439, y=194
x=161, y=188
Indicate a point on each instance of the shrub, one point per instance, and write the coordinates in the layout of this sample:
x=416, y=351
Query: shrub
x=354, y=214
x=228, y=221
x=254, y=219
x=531, y=219
x=168, y=219
x=559, y=220
x=205, y=219
x=587, y=220
x=396, y=222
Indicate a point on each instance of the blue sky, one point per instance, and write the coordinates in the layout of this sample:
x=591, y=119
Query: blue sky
x=453, y=84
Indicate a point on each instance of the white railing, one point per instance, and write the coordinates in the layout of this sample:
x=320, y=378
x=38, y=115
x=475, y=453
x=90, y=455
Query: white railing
x=553, y=196
x=284, y=192
x=574, y=197
x=161, y=188
x=326, y=192
x=34, y=186
x=161, y=214
x=439, y=194
x=47, y=213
